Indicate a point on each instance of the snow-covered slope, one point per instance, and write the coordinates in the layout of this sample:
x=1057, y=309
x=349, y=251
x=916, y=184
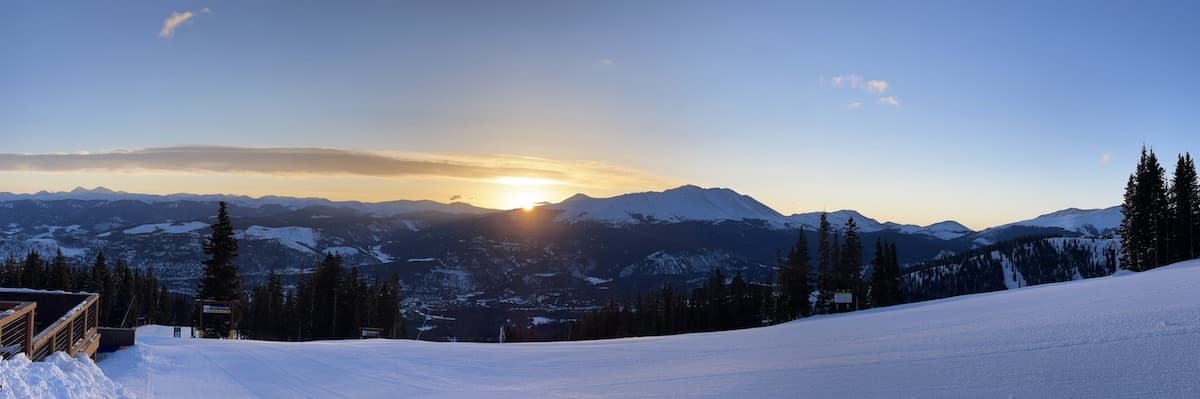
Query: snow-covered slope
x=686, y=203
x=1092, y=222
x=1125, y=336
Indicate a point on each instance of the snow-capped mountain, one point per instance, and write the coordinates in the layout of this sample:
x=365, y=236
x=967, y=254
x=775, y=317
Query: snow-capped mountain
x=1071, y=221
x=383, y=209
x=812, y=220
x=686, y=203
x=946, y=230
x=1093, y=222
x=691, y=203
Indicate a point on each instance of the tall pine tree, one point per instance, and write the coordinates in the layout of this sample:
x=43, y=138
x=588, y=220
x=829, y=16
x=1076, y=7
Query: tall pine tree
x=1146, y=225
x=793, y=280
x=824, y=265
x=221, y=280
x=1185, y=210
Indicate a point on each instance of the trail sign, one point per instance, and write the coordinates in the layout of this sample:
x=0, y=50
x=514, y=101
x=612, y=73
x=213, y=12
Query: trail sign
x=843, y=297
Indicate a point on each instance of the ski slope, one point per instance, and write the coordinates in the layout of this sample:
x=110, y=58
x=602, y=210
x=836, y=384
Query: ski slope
x=1125, y=336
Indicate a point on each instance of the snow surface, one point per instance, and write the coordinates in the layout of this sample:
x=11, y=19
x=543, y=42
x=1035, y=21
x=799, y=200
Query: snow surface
x=302, y=239
x=58, y=376
x=1126, y=336
x=167, y=228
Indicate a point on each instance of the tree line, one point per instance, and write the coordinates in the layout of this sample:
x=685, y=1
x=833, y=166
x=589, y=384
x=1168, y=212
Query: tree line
x=800, y=290
x=1161, y=222
x=329, y=303
x=128, y=296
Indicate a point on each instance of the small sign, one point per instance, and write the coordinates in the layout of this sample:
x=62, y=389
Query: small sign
x=843, y=297
x=178, y=331
x=218, y=309
x=372, y=332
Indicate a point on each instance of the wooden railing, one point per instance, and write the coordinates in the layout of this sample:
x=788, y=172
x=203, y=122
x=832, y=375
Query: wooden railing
x=16, y=328
x=76, y=332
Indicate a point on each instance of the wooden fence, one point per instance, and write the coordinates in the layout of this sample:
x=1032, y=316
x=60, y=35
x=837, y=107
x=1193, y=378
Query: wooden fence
x=75, y=330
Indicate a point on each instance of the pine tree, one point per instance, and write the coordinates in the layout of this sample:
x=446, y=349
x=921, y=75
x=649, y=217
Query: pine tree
x=1146, y=226
x=60, y=274
x=793, y=280
x=824, y=264
x=1185, y=207
x=851, y=261
x=221, y=280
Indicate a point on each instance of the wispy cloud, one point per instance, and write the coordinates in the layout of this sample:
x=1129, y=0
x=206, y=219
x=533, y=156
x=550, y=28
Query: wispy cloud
x=176, y=20
x=455, y=197
x=890, y=100
x=854, y=104
x=331, y=162
x=874, y=87
x=1106, y=158
x=606, y=61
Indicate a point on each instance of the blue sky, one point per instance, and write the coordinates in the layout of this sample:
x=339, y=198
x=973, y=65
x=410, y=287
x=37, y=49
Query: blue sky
x=999, y=110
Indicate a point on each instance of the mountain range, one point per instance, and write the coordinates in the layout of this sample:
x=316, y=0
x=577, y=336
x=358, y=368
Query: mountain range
x=466, y=262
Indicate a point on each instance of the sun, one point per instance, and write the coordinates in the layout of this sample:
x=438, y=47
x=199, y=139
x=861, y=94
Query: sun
x=524, y=200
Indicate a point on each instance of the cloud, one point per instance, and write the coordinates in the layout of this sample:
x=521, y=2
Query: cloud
x=855, y=104
x=857, y=82
x=456, y=197
x=1106, y=158
x=606, y=61
x=331, y=162
x=876, y=86
x=175, y=20
x=851, y=80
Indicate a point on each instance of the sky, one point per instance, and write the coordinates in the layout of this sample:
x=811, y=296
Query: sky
x=914, y=112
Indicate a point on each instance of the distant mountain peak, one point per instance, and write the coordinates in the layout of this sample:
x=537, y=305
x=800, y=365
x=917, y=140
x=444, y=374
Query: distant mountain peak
x=684, y=203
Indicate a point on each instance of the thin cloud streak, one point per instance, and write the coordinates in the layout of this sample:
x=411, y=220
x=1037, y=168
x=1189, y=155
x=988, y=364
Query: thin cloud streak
x=326, y=162
x=172, y=22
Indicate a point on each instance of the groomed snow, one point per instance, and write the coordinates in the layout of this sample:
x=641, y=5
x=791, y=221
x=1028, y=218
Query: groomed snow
x=1130, y=335
x=302, y=239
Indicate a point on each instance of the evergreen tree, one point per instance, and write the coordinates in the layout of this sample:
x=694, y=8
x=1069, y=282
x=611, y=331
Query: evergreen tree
x=60, y=274
x=1185, y=207
x=824, y=264
x=850, y=275
x=221, y=280
x=793, y=280
x=885, y=281
x=1146, y=226
x=32, y=271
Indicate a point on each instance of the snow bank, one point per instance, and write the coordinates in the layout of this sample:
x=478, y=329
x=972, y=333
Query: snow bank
x=1127, y=336
x=59, y=376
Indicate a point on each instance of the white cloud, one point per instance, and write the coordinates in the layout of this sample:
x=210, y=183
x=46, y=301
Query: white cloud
x=173, y=21
x=851, y=80
x=1106, y=158
x=855, y=104
x=606, y=61
x=890, y=100
x=876, y=86
x=205, y=10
